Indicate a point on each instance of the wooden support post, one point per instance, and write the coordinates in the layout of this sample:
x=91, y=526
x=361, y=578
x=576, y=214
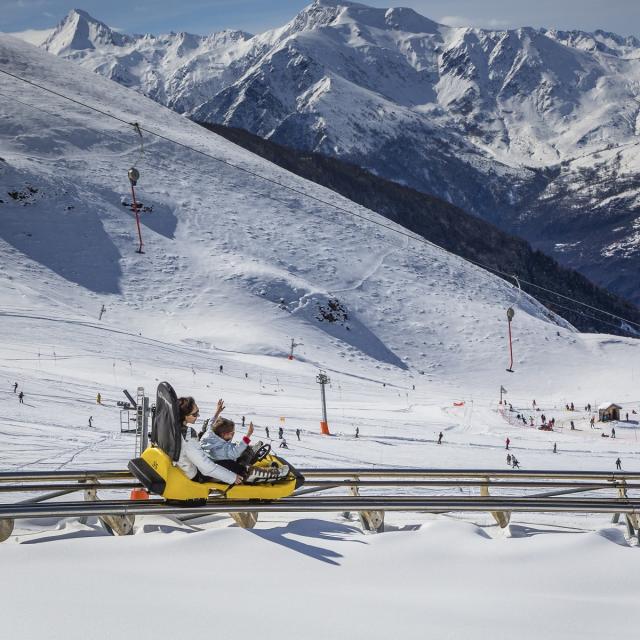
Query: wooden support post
x=245, y=519
x=115, y=525
x=372, y=521
x=6, y=528
x=632, y=520
x=501, y=517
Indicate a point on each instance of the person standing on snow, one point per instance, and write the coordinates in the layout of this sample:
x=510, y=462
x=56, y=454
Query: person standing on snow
x=298, y=433
x=619, y=464
x=280, y=433
x=440, y=436
x=98, y=399
x=90, y=421
x=509, y=459
x=613, y=432
x=266, y=430
x=15, y=388
x=507, y=442
x=555, y=448
x=21, y=397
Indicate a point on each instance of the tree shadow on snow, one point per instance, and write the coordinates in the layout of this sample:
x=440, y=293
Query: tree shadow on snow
x=314, y=529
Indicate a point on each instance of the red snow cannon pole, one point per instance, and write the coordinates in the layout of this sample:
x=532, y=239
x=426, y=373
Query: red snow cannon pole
x=322, y=380
x=134, y=176
x=510, y=314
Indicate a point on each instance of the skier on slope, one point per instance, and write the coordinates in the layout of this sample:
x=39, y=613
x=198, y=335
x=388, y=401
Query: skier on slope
x=440, y=436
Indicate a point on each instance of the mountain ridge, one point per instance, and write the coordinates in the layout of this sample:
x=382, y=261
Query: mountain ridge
x=504, y=124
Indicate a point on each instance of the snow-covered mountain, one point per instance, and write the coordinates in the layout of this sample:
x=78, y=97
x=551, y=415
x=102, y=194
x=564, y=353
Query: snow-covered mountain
x=413, y=338
x=535, y=130
x=232, y=260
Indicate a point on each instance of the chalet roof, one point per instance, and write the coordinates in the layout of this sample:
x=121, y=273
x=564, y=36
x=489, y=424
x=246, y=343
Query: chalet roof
x=608, y=405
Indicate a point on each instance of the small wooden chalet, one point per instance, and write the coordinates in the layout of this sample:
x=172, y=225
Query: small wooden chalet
x=608, y=411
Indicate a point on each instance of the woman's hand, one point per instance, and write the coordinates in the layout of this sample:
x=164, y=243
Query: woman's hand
x=238, y=480
x=250, y=431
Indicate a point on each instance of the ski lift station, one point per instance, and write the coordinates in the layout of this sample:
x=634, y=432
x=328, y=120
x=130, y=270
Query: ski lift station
x=609, y=411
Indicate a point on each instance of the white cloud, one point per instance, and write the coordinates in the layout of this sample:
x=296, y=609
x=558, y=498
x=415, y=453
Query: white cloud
x=486, y=23
x=455, y=21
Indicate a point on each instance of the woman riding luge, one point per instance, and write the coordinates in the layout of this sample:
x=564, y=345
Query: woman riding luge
x=193, y=461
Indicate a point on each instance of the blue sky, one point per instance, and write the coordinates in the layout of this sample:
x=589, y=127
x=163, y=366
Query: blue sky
x=205, y=16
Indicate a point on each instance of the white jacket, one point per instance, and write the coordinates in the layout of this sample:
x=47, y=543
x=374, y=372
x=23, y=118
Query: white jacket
x=193, y=459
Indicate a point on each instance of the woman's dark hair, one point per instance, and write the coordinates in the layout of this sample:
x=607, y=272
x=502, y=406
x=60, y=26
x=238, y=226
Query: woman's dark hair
x=185, y=407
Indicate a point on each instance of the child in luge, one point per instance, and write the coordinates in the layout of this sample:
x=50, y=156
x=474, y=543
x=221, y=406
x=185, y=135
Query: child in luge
x=237, y=457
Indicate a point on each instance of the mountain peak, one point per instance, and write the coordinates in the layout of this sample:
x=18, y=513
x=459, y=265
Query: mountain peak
x=80, y=31
x=325, y=12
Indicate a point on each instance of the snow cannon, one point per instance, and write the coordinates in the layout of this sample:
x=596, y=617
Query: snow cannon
x=156, y=471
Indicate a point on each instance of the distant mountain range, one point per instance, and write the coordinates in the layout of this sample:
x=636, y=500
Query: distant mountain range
x=535, y=130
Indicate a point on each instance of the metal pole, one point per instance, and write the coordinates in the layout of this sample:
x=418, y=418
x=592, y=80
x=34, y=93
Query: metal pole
x=134, y=175
x=134, y=206
x=145, y=425
x=322, y=380
x=510, y=314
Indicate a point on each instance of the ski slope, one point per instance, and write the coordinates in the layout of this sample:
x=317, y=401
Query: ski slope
x=234, y=267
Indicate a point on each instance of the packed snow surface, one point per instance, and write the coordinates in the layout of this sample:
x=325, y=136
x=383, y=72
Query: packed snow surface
x=235, y=267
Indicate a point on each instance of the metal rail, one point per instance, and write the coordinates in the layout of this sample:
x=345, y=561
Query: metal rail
x=353, y=482
x=123, y=474
x=427, y=504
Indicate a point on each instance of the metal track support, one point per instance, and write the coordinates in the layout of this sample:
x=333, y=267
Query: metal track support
x=501, y=517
